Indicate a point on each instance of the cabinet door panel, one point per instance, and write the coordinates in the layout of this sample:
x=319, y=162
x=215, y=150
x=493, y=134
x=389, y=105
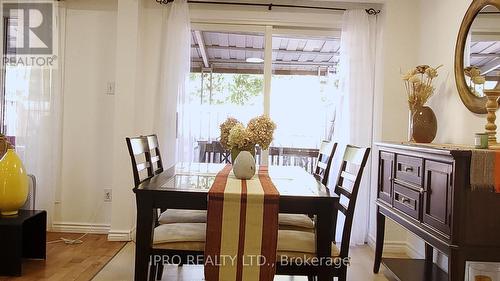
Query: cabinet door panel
x=386, y=174
x=437, y=195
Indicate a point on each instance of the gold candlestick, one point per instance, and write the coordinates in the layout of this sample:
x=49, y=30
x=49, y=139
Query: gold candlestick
x=492, y=107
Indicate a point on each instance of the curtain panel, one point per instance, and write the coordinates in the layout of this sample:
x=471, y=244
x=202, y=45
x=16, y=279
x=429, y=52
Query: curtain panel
x=355, y=104
x=171, y=116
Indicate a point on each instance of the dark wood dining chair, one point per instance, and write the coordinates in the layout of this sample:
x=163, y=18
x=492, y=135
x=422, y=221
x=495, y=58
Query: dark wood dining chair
x=320, y=172
x=303, y=244
x=140, y=157
x=177, y=233
x=324, y=162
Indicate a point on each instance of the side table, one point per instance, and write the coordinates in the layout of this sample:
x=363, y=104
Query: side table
x=22, y=236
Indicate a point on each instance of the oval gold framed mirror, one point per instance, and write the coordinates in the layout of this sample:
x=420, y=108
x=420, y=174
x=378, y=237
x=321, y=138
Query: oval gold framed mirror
x=477, y=54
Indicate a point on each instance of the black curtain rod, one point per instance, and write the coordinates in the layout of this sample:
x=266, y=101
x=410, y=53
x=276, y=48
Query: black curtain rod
x=269, y=6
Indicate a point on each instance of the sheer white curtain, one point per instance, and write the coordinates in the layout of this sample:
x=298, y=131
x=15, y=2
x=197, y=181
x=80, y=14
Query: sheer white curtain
x=34, y=117
x=34, y=109
x=354, y=113
x=171, y=116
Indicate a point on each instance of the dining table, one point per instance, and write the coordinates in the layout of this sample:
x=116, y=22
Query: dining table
x=185, y=186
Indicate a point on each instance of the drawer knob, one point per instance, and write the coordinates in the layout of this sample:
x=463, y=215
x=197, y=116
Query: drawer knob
x=409, y=169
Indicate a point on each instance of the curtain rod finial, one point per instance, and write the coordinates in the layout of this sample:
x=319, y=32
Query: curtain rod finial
x=372, y=11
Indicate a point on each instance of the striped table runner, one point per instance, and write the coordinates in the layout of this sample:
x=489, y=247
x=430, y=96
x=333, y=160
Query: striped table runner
x=242, y=228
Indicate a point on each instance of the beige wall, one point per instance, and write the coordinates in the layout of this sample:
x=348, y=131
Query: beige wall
x=439, y=25
x=440, y=22
x=88, y=114
x=397, y=49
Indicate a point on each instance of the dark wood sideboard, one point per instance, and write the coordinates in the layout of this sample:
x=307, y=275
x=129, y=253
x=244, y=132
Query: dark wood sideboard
x=427, y=191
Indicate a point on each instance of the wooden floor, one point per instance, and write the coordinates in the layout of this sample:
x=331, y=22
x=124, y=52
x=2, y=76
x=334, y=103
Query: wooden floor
x=89, y=261
x=70, y=262
x=121, y=268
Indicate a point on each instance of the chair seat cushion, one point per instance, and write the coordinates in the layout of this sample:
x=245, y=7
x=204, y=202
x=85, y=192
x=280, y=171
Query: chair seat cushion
x=183, y=216
x=191, y=237
x=296, y=228
x=182, y=246
x=180, y=236
x=301, y=221
x=299, y=244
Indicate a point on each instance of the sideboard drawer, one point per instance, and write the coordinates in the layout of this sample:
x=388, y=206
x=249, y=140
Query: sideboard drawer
x=409, y=169
x=407, y=200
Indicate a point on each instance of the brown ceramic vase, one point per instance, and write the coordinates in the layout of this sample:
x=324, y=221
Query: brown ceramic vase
x=424, y=125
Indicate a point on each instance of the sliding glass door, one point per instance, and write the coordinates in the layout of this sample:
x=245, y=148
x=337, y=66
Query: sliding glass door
x=295, y=86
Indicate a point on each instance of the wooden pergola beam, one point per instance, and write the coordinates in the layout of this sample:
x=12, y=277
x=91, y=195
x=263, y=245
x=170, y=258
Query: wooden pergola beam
x=477, y=55
x=262, y=50
x=201, y=47
x=491, y=66
x=290, y=63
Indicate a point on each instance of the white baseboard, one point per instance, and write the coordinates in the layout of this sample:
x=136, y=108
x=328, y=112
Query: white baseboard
x=396, y=247
x=73, y=227
x=122, y=235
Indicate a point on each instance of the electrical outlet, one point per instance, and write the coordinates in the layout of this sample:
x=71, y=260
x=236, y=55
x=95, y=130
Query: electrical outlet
x=108, y=195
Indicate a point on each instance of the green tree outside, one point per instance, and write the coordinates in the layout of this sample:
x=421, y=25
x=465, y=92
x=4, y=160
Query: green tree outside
x=237, y=89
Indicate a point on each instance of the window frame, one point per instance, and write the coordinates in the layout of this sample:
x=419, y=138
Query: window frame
x=269, y=30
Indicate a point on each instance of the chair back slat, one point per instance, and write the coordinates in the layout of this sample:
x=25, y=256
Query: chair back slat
x=347, y=187
x=145, y=157
x=348, y=176
x=143, y=166
x=354, y=155
x=155, y=154
x=321, y=165
x=326, y=147
x=155, y=159
x=137, y=145
x=140, y=157
x=324, y=161
x=344, y=192
x=152, y=142
x=341, y=207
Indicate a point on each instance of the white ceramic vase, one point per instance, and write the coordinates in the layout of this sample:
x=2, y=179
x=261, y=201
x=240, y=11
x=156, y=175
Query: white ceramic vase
x=244, y=166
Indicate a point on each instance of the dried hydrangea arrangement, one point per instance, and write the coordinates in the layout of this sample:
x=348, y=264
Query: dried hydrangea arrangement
x=261, y=131
x=240, y=138
x=234, y=135
x=474, y=73
x=225, y=129
x=418, y=85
